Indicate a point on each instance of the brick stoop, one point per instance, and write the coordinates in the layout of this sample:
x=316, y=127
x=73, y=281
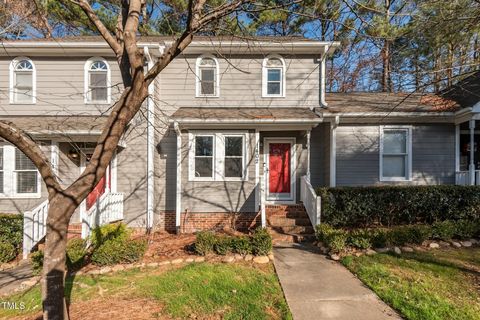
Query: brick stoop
x=289, y=223
x=74, y=230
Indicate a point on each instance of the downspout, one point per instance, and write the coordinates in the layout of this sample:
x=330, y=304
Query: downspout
x=178, y=198
x=150, y=144
x=323, y=103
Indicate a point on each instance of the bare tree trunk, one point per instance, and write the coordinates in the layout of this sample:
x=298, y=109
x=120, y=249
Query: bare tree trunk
x=386, y=68
x=53, y=281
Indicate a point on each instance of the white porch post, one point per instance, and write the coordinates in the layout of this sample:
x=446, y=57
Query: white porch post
x=457, y=153
x=471, y=166
x=309, y=132
x=178, y=199
x=150, y=145
x=333, y=151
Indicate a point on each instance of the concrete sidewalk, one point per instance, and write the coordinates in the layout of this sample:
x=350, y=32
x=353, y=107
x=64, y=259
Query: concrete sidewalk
x=318, y=288
x=12, y=279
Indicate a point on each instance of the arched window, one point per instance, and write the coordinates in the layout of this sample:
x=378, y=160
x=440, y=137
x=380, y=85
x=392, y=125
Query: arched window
x=97, y=81
x=22, y=81
x=273, y=77
x=207, y=77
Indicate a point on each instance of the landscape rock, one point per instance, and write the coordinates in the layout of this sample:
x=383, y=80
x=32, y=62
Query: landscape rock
x=358, y=254
x=334, y=257
x=324, y=250
x=129, y=266
x=94, y=272
x=443, y=243
x=473, y=241
x=382, y=250
x=199, y=259
x=248, y=257
x=466, y=244
x=407, y=249
x=117, y=268
x=176, y=261
x=434, y=245
x=152, y=264
x=238, y=256
x=189, y=260
x=397, y=250
x=261, y=259
x=271, y=257
x=228, y=259
x=456, y=244
x=370, y=252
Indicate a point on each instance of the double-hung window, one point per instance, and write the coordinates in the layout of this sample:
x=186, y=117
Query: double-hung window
x=97, y=80
x=395, y=154
x=204, y=156
x=207, y=77
x=22, y=81
x=18, y=175
x=217, y=156
x=273, y=84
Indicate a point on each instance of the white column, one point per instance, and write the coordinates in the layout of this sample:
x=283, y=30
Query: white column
x=178, y=202
x=256, y=156
x=457, y=153
x=309, y=132
x=471, y=166
x=54, y=157
x=150, y=145
x=333, y=151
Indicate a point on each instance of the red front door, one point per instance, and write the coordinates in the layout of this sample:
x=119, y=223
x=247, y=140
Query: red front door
x=99, y=188
x=279, y=168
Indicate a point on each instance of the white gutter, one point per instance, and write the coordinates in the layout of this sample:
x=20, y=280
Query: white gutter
x=150, y=145
x=246, y=122
x=178, y=198
x=390, y=114
x=323, y=103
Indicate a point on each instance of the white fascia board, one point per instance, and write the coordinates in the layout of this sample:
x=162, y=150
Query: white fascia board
x=246, y=122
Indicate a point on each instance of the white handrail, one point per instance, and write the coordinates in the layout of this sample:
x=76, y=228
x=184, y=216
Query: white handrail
x=311, y=201
x=462, y=178
x=34, y=227
x=108, y=208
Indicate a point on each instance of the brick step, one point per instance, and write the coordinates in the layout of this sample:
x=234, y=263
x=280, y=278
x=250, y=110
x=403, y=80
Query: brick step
x=288, y=214
x=291, y=237
x=279, y=221
x=294, y=229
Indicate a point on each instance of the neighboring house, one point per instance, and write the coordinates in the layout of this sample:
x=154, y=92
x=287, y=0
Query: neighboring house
x=233, y=127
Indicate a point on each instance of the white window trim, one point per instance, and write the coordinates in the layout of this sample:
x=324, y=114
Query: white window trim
x=86, y=80
x=10, y=177
x=12, y=82
x=218, y=155
x=408, y=168
x=198, y=90
x=265, y=69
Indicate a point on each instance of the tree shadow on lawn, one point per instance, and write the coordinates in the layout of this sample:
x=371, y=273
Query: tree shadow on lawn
x=429, y=258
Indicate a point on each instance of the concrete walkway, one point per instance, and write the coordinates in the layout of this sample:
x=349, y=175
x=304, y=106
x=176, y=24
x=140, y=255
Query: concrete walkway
x=11, y=279
x=319, y=288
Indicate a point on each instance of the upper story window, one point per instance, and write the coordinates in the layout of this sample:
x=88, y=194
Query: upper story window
x=273, y=77
x=22, y=81
x=97, y=81
x=395, y=153
x=207, y=77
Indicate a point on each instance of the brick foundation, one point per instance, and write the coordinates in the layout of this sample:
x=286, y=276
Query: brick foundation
x=74, y=230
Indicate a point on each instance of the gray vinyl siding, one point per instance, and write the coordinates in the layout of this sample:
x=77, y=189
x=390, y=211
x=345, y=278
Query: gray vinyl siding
x=358, y=159
x=241, y=83
x=218, y=196
x=60, y=87
x=320, y=155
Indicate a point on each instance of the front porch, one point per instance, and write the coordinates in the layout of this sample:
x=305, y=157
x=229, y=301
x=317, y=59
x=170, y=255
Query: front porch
x=467, y=153
x=268, y=165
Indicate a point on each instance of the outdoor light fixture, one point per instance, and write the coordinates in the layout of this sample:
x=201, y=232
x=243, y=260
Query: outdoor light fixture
x=73, y=154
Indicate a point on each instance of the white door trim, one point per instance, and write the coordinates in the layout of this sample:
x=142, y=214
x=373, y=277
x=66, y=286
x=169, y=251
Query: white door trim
x=272, y=198
x=113, y=178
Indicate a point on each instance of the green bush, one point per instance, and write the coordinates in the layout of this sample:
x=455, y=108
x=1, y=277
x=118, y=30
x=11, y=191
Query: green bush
x=380, y=237
x=465, y=229
x=241, y=245
x=76, y=253
x=261, y=242
x=205, y=243
x=108, y=232
x=361, y=239
x=223, y=245
x=118, y=250
x=7, y=252
x=322, y=231
x=37, y=261
x=337, y=240
x=443, y=230
x=398, y=205
x=11, y=236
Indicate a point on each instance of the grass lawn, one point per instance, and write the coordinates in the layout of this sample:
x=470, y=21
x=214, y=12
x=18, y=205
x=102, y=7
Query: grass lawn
x=197, y=291
x=437, y=284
